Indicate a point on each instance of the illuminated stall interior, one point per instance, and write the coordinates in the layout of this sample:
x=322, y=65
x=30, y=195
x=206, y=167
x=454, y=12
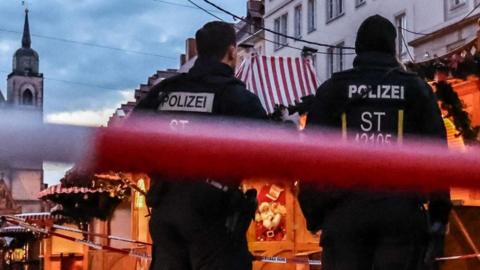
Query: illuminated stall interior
x=457, y=75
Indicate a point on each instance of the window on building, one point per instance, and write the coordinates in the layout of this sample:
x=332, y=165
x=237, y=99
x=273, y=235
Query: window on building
x=360, y=2
x=280, y=25
x=312, y=15
x=456, y=8
x=401, y=24
x=456, y=3
x=335, y=8
x=298, y=21
x=335, y=59
x=27, y=97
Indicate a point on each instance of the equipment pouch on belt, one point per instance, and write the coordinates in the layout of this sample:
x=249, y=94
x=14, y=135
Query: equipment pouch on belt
x=242, y=211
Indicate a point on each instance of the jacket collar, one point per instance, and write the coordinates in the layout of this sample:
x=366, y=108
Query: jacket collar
x=210, y=67
x=375, y=59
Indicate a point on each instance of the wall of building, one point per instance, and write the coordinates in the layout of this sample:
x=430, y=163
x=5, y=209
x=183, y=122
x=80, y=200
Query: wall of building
x=60, y=245
x=120, y=225
x=421, y=16
x=16, y=84
x=25, y=186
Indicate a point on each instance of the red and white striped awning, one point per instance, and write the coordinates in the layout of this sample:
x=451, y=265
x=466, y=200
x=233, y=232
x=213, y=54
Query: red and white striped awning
x=12, y=230
x=58, y=189
x=278, y=80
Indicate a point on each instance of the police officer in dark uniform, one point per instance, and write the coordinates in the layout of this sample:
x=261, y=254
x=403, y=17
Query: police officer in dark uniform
x=201, y=224
x=376, y=102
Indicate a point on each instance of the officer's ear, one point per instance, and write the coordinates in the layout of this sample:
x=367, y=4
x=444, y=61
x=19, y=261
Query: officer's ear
x=231, y=56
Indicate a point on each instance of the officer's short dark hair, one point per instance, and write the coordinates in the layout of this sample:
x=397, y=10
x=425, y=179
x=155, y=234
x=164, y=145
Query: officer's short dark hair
x=214, y=39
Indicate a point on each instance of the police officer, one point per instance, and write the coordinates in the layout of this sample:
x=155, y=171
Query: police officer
x=376, y=102
x=201, y=224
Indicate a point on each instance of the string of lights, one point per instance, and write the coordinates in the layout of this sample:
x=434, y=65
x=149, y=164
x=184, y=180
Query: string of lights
x=90, y=44
x=263, y=38
x=277, y=33
x=182, y=5
x=89, y=85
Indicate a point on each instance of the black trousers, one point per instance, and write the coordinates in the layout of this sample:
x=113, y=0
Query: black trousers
x=384, y=234
x=188, y=232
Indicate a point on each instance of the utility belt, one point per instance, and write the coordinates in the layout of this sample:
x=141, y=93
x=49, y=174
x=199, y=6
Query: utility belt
x=241, y=209
x=160, y=188
x=218, y=185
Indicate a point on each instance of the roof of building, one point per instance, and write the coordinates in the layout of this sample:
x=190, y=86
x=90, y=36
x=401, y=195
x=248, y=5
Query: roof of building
x=11, y=230
x=442, y=30
x=124, y=110
x=188, y=65
x=26, y=49
x=59, y=189
x=40, y=216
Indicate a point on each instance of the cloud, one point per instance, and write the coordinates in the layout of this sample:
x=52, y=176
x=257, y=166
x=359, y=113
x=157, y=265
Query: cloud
x=53, y=172
x=6, y=46
x=97, y=117
x=145, y=26
x=82, y=118
x=104, y=74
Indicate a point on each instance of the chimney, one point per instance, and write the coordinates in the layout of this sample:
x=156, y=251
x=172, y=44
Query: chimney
x=255, y=9
x=191, y=49
x=183, y=59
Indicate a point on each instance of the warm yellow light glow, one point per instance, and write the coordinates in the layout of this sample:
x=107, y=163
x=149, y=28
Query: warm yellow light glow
x=455, y=142
x=302, y=122
x=139, y=198
x=18, y=255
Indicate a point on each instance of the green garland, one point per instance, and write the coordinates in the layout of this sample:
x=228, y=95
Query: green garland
x=460, y=67
x=454, y=106
x=83, y=207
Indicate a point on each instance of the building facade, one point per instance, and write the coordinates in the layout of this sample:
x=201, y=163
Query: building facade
x=426, y=29
x=250, y=35
x=23, y=180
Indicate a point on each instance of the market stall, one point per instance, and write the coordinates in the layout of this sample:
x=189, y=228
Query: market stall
x=455, y=77
x=279, y=227
x=86, y=202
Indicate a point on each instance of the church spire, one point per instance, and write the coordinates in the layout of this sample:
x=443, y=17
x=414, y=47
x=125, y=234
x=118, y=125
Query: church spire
x=26, y=41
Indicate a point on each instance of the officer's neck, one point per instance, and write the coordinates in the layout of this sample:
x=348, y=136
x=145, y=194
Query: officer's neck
x=229, y=62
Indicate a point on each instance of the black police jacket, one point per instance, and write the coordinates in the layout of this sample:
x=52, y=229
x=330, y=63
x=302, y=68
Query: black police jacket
x=376, y=102
x=208, y=89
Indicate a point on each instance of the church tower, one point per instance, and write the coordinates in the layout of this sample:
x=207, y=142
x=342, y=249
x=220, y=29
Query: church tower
x=25, y=93
x=25, y=82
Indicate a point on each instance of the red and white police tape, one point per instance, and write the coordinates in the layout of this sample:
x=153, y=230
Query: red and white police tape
x=283, y=260
x=180, y=149
x=49, y=232
x=236, y=150
x=145, y=256
x=111, y=237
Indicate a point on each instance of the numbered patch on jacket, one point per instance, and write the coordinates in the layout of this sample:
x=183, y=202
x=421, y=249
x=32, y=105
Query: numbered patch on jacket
x=373, y=126
x=187, y=102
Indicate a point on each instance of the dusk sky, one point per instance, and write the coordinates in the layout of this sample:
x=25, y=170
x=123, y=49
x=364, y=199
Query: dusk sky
x=156, y=29
x=85, y=84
